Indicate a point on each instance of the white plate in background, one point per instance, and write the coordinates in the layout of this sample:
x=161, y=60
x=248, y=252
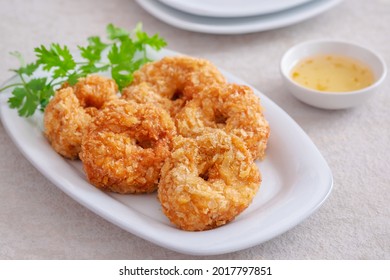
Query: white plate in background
x=296, y=181
x=232, y=8
x=236, y=25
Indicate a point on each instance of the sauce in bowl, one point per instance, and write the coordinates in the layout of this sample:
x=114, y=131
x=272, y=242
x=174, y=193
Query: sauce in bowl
x=332, y=73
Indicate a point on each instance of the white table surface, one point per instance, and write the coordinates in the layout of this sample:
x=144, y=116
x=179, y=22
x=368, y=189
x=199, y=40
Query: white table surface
x=38, y=221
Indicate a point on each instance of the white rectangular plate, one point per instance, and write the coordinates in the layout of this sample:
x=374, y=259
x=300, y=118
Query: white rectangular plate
x=296, y=181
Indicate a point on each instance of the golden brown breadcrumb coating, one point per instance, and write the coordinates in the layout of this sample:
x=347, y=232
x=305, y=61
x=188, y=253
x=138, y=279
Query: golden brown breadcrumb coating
x=125, y=146
x=176, y=79
x=71, y=109
x=207, y=180
x=233, y=108
x=143, y=93
x=65, y=121
x=95, y=90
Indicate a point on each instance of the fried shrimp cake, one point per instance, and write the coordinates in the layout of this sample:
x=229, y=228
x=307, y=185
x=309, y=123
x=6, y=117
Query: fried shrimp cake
x=233, y=108
x=126, y=145
x=172, y=81
x=65, y=121
x=207, y=181
x=71, y=109
x=95, y=90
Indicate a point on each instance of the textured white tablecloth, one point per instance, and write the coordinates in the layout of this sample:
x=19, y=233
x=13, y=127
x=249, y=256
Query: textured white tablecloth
x=38, y=221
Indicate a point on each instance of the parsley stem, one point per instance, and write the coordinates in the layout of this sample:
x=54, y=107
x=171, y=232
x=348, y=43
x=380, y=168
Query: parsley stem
x=25, y=84
x=11, y=85
x=144, y=53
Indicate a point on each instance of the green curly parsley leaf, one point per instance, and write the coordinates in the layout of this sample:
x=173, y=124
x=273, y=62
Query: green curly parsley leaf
x=28, y=69
x=155, y=42
x=123, y=53
x=93, y=51
x=57, y=58
x=35, y=94
x=114, y=32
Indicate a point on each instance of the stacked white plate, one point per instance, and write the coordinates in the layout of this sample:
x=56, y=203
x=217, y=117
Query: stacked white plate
x=234, y=16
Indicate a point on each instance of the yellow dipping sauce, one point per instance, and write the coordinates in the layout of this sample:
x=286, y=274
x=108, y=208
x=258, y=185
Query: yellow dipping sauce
x=332, y=73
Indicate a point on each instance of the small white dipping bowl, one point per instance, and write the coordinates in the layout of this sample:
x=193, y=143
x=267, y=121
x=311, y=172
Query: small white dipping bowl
x=332, y=100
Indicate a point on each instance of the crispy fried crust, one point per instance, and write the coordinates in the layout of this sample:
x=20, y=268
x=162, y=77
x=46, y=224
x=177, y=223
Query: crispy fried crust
x=126, y=145
x=94, y=91
x=207, y=181
x=143, y=93
x=171, y=81
x=65, y=121
x=233, y=108
x=70, y=111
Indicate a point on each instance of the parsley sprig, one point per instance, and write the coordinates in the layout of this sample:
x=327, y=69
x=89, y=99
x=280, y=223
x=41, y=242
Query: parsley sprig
x=121, y=54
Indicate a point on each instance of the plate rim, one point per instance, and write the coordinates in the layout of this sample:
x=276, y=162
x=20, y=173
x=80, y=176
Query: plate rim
x=253, y=11
x=242, y=25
